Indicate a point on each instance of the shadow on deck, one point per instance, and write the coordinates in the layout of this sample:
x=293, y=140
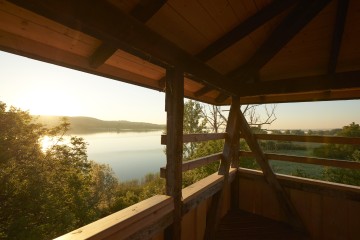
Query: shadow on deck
x=243, y=225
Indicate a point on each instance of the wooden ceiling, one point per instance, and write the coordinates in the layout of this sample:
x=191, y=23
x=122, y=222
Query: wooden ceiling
x=263, y=51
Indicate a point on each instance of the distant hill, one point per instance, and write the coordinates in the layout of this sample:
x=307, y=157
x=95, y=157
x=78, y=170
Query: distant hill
x=91, y=125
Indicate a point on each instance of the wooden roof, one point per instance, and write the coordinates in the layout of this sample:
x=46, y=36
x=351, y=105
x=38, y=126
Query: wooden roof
x=263, y=51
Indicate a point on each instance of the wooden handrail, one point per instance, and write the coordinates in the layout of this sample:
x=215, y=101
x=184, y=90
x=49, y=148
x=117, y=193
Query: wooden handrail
x=306, y=138
x=192, y=164
x=194, y=194
x=307, y=160
x=142, y=219
x=197, y=137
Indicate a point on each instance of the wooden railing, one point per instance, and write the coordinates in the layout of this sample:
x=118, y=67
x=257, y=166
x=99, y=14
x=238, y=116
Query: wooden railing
x=308, y=138
x=197, y=137
x=198, y=162
x=139, y=221
x=305, y=159
x=149, y=218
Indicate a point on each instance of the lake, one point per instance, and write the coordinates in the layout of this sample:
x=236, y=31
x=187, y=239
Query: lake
x=131, y=155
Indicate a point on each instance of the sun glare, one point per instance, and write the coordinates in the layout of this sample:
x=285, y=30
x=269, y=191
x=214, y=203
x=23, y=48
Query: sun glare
x=49, y=103
x=48, y=142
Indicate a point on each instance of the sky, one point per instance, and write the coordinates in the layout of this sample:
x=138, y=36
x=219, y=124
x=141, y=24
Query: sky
x=46, y=89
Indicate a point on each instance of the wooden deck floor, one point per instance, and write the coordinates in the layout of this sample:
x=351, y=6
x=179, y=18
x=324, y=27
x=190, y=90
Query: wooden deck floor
x=243, y=225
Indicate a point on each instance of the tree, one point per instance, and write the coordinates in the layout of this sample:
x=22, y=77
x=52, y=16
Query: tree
x=346, y=176
x=194, y=122
x=214, y=117
x=213, y=120
x=341, y=151
x=44, y=194
x=259, y=115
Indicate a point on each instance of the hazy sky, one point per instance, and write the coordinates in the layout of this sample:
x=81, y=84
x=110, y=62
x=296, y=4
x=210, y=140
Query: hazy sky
x=47, y=89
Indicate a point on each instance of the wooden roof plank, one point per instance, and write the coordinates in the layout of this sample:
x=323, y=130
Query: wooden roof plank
x=290, y=26
x=97, y=20
x=338, y=34
x=145, y=9
x=244, y=28
x=202, y=91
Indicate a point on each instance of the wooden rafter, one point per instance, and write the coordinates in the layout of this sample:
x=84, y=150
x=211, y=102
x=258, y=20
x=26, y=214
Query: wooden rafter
x=337, y=34
x=221, y=98
x=143, y=11
x=202, y=91
x=337, y=81
x=303, y=13
x=239, y=32
x=174, y=145
x=162, y=83
x=97, y=19
x=101, y=54
x=245, y=28
x=289, y=210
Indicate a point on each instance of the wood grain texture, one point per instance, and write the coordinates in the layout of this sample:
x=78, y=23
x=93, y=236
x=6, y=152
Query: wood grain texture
x=174, y=127
x=244, y=225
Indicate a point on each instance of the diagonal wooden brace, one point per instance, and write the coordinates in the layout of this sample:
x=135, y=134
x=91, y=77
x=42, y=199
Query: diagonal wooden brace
x=289, y=210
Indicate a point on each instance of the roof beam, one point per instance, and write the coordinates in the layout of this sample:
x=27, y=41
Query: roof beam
x=326, y=82
x=245, y=28
x=288, y=28
x=221, y=98
x=337, y=35
x=143, y=11
x=239, y=32
x=344, y=94
x=101, y=54
x=97, y=19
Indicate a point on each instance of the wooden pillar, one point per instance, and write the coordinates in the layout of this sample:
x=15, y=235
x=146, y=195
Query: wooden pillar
x=235, y=185
x=229, y=152
x=174, y=105
x=289, y=210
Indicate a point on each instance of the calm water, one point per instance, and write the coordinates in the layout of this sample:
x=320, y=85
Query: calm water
x=131, y=155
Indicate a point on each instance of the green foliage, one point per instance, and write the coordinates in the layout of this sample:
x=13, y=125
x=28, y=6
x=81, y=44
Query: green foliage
x=131, y=192
x=194, y=122
x=46, y=194
x=341, y=151
x=204, y=149
x=346, y=176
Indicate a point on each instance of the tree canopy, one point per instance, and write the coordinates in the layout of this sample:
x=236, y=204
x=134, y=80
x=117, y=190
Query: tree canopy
x=46, y=193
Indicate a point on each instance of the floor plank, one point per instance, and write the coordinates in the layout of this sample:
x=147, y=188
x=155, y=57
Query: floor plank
x=244, y=225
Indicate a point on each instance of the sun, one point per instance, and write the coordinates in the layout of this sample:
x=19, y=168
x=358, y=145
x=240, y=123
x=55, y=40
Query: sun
x=49, y=102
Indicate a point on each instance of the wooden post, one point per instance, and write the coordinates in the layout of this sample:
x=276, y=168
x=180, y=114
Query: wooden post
x=235, y=164
x=289, y=210
x=232, y=129
x=174, y=105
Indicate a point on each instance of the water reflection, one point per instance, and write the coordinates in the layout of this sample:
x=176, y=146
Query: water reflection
x=130, y=154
